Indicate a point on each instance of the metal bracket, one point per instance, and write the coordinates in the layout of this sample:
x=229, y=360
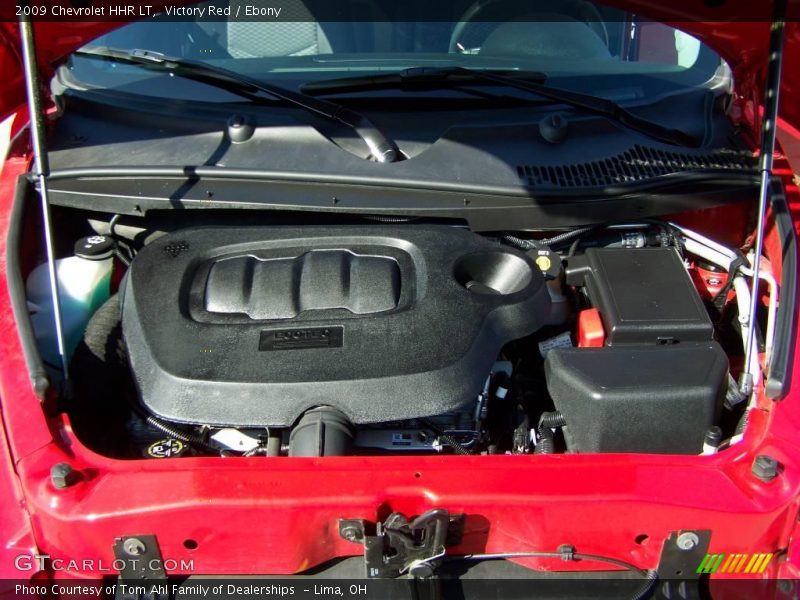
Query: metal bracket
x=401, y=547
x=141, y=567
x=681, y=556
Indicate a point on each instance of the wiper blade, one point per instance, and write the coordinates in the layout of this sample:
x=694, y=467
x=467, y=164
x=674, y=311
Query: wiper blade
x=381, y=148
x=417, y=77
x=455, y=76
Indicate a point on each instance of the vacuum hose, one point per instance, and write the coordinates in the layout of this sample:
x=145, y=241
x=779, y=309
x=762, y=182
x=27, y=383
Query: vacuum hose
x=547, y=422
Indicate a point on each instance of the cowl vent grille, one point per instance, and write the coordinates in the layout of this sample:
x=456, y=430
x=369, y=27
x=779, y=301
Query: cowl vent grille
x=640, y=163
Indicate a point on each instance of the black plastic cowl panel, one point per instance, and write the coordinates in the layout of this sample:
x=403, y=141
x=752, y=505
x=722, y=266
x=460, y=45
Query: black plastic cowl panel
x=254, y=326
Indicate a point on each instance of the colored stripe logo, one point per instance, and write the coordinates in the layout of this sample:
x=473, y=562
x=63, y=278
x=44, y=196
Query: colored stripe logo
x=735, y=563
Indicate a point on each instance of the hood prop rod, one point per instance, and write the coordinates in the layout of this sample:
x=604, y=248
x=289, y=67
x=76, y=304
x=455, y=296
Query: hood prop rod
x=42, y=168
x=768, y=133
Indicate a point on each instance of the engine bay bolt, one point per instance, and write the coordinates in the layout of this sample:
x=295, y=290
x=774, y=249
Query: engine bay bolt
x=350, y=534
x=567, y=552
x=63, y=476
x=687, y=540
x=134, y=546
x=765, y=467
x=421, y=569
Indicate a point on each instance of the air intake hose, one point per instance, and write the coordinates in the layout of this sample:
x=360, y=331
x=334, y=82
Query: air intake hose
x=322, y=431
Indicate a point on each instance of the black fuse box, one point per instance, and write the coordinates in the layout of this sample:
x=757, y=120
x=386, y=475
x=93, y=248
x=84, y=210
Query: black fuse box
x=645, y=296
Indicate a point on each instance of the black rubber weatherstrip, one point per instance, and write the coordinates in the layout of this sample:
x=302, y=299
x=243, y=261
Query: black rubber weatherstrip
x=779, y=378
x=16, y=289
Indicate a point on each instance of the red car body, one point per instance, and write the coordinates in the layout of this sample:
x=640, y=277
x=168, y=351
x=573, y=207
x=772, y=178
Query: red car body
x=280, y=516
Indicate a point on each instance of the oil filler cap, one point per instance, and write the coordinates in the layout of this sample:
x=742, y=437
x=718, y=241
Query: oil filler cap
x=95, y=247
x=549, y=262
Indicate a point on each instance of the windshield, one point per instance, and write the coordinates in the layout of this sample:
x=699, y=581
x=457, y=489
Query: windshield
x=578, y=45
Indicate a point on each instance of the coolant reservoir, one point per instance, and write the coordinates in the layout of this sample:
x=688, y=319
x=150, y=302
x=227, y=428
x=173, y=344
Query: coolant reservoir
x=83, y=283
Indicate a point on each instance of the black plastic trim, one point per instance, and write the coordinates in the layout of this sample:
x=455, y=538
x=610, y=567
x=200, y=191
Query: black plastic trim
x=16, y=290
x=200, y=171
x=777, y=386
x=135, y=193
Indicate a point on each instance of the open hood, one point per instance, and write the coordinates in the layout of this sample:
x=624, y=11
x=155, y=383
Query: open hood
x=377, y=365
x=737, y=29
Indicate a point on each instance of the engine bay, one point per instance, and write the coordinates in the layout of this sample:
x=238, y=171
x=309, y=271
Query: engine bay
x=420, y=306
x=406, y=338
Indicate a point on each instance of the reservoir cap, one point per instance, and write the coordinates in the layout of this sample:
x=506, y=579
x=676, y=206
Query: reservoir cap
x=95, y=247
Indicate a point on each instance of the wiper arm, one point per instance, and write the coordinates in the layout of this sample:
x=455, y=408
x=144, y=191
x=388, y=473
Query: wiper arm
x=454, y=76
x=379, y=145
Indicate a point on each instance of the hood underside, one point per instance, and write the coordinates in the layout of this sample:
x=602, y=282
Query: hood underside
x=737, y=29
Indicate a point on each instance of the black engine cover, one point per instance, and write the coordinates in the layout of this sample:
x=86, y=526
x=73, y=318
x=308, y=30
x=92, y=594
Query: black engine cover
x=254, y=326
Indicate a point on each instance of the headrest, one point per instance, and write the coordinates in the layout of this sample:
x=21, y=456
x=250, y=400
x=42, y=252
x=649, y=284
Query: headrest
x=546, y=35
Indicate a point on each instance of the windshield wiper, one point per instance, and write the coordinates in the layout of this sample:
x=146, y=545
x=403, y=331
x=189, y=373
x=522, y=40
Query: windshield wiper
x=454, y=76
x=379, y=145
x=419, y=78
